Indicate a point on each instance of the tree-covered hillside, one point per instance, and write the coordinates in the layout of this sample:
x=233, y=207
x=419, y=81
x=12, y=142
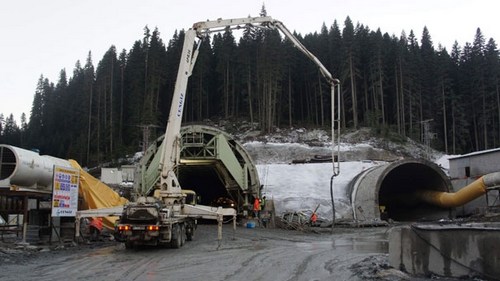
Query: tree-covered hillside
x=390, y=83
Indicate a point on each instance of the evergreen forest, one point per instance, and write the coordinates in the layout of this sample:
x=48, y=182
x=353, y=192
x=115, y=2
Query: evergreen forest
x=401, y=85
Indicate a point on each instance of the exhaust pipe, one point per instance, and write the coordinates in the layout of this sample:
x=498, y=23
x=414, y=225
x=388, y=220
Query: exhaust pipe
x=461, y=197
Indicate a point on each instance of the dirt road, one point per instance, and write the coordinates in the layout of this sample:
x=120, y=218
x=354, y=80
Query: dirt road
x=246, y=254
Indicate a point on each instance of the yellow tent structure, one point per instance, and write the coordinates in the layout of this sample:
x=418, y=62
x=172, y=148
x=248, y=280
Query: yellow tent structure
x=97, y=195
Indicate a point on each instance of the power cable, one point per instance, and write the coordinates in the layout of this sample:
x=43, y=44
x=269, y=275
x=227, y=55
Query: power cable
x=333, y=201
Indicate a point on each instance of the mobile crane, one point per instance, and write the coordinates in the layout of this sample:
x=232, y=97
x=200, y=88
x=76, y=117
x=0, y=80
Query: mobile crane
x=165, y=218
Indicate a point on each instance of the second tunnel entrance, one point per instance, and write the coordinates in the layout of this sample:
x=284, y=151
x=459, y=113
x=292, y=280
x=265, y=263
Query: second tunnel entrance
x=388, y=191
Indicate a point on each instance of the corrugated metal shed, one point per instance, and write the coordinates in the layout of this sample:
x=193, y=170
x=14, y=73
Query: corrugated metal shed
x=465, y=169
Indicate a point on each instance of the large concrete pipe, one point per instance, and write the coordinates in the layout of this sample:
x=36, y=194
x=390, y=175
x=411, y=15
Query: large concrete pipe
x=388, y=191
x=461, y=197
x=27, y=169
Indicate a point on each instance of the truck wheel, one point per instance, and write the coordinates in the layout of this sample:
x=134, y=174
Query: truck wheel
x=129, y=245
x=189, y=233
x=183, y=234
x=176, y=237
x=94, y=234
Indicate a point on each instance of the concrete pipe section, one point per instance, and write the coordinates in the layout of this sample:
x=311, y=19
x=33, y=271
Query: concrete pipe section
x=391, y=192
x=28, y=169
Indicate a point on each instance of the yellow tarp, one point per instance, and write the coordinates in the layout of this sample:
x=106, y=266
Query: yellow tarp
x=97, y=195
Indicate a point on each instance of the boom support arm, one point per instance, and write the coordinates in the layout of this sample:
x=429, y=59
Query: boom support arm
x=169, y=185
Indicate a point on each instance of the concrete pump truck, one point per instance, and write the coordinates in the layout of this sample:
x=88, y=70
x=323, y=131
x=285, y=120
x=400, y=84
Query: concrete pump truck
x=166, y=218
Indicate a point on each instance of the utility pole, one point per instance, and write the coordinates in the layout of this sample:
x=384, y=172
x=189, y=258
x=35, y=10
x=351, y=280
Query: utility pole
x=427, y=137
x=146, y=133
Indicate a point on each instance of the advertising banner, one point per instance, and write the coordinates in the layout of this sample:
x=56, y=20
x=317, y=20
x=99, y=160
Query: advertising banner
x=65, y=192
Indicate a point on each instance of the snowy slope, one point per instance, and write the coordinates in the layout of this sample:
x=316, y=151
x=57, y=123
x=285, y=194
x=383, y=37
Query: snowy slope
x=303, y=186
x=297, y=187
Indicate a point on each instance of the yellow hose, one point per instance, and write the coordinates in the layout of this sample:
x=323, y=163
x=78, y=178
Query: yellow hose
x=451, y=200
x=472, y=191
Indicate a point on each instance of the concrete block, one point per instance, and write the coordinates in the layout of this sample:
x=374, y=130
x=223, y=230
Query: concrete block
x=448, y=250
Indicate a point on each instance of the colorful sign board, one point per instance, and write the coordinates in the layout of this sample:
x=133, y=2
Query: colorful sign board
x=65, y=191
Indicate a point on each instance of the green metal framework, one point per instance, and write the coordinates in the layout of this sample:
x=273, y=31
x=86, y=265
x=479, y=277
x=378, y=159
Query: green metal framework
x=204, y=146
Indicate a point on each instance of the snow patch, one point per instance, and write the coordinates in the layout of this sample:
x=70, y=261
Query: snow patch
x=305, y=186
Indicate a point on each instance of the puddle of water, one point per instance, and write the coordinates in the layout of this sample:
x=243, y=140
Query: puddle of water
x=352, y=245
x=357, y=245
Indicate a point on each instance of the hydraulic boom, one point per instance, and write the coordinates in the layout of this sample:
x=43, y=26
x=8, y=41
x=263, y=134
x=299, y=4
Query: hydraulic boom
x=170, y=190
x=166, y=218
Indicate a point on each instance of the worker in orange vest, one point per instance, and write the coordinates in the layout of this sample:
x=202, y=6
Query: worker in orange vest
x=314, y=218
x=95, y=228
x=256, y=207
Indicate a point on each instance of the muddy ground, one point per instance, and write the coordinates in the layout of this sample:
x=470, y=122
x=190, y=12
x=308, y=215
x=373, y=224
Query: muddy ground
x=244, y=254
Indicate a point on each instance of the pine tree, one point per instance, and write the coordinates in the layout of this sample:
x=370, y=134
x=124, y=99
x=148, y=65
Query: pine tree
x=11, y=132
x=492, y=74
x=201, y=83
x=88, y=88
x=350, y=70
x=427, y=102
x=444, y=70
x=477, y=84
x=224, y=58
x=247, y=55
x=2, y=121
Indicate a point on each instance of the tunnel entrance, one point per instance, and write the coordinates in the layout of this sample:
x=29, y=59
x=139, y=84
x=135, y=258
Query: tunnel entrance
x=211, y=163
x=397, y=191
x=205, y=181
x=389, y=191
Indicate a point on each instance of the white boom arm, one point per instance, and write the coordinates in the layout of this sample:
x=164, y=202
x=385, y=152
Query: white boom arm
x=169, y=185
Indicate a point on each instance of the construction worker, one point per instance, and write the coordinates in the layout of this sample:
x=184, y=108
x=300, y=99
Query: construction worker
x=256, y=208
x=95, y=228
x=314, y=218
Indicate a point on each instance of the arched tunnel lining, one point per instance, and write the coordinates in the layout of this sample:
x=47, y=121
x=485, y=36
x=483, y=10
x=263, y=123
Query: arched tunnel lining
x=389, y=191
x=211, y=163
x=399, y=185
x=206, y=172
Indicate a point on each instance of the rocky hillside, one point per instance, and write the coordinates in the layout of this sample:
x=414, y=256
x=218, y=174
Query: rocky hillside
x=304, y=145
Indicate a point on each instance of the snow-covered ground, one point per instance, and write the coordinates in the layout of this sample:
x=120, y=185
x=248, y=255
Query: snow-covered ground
x=296, y=187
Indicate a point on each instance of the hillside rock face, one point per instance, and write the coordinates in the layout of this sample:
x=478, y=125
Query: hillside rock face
x=305, y=146
x=287, y=153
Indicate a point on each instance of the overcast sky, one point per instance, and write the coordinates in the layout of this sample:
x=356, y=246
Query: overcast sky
x=45, y=36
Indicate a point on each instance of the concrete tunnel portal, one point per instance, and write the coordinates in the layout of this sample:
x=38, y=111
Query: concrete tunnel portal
x=391, y=191
x=212, y=164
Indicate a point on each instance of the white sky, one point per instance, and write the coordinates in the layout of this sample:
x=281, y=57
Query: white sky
x=42, y=37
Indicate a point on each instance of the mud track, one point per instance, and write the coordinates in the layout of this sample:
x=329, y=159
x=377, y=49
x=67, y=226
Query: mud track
x=246, y=254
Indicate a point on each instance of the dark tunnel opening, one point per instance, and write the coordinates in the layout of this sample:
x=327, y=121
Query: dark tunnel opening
x=397, y=193
x=8, y=162
x=205, y=181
